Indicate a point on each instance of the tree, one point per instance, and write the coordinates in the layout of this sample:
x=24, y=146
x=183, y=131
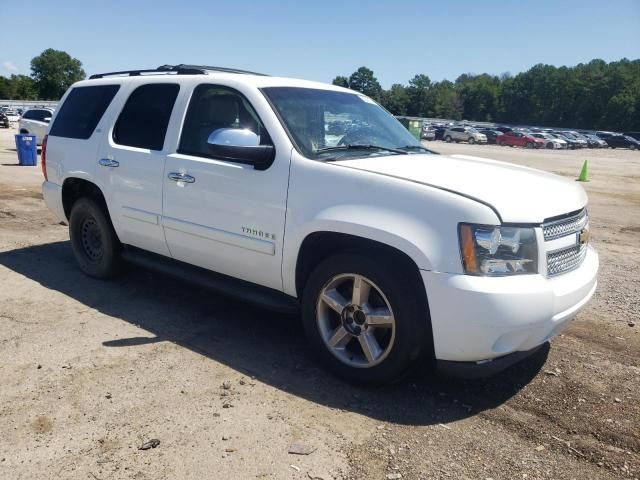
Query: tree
x=396, y=99
x=420, y=98
x=365, y=82
x=53, y=72
x=341, y=81
x=18, y=87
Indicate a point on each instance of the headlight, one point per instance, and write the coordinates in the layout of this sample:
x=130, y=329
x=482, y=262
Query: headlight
x=498, y=251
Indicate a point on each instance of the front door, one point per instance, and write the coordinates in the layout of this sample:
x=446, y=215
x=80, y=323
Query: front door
x=219, y=214
x=131, y=165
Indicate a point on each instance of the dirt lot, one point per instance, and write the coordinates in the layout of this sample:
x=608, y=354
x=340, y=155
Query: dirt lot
x=91, y=370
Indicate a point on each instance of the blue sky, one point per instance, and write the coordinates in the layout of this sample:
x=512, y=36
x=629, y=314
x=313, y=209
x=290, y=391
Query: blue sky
x=319, y=40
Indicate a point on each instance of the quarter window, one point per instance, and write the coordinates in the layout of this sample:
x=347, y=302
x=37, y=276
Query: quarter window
x=82, y=110
x=145, y=117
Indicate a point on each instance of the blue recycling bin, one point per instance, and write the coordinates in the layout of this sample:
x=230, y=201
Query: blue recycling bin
x=27, y=150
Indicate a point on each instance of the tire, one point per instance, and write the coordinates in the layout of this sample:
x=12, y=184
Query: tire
x=95, y=244
x=550, y=146
x=472, y=141
x=632, y=147
x=529, y=145
x=503, y=143
x=404, y=339
x=447, y=139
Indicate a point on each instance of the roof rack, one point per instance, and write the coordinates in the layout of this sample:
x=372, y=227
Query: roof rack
x=181, y=69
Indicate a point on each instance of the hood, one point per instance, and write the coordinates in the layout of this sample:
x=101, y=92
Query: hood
x=519, y=194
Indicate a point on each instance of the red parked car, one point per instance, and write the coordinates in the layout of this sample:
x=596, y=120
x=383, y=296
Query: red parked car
x=518, y=139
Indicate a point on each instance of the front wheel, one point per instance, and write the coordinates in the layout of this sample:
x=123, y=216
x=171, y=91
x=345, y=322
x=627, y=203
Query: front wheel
x=502, y=143
x=632, y=147
x=529, y=145
x=364, y=319
x=447, y=139
x=472, y=141
x=95, y=244
x=550, y=146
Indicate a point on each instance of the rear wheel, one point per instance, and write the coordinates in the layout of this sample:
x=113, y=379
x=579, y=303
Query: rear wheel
x=550, y=145
x=503, y=143
x=95, y=244
x=365, y=319
x=529, y=145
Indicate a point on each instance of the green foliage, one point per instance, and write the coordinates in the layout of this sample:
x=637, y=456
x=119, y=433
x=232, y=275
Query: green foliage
x=54, y=71
x=341, y=81
x=596, y=95
x=365, y=82
x=20, y=87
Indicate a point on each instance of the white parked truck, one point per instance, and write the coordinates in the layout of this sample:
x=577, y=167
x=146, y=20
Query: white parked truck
x=311, y=198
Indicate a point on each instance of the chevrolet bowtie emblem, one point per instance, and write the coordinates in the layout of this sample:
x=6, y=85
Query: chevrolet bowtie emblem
x=583, y=236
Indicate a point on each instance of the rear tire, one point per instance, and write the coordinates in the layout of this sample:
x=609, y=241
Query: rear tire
x=338, y=335
x=95, y=244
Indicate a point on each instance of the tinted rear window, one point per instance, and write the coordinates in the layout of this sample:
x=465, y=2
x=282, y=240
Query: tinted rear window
x=145, y=117
x=82, y=110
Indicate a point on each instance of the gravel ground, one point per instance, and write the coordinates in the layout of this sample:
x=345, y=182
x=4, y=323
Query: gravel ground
x=92, y=370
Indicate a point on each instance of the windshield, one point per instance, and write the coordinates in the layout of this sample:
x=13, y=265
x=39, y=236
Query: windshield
x=326, y=123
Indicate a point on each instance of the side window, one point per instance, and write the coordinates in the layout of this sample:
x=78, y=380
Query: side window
x=82, y=110
x=212, y=107
x=144, y=119
x=30, y=115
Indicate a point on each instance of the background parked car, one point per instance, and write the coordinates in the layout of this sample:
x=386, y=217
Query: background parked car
x=490, y=134
x=623, y=141
x=573, y=142
x=427, y=133
x=595, y=141
x=635, y=135
x=4, y=120
x=12, y=115
x=550, y=141
x=464, y=134
x=36, y=122
x=440, y=132
x=519, y=139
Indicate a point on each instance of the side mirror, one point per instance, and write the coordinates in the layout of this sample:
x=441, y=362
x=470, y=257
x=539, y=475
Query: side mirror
x=47, y=119
x=240, y=145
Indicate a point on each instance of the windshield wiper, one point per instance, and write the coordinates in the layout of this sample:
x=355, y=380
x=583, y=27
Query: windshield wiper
x=416, y=147
x=359, y=146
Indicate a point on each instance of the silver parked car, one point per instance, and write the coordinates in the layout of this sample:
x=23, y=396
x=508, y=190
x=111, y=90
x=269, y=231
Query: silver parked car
x=464, y=134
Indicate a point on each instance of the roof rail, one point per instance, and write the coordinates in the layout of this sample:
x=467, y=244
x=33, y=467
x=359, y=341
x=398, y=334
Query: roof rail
x=181, y=69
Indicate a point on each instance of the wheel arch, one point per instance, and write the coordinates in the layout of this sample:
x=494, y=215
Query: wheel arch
x=74, y=188
x=318, y=245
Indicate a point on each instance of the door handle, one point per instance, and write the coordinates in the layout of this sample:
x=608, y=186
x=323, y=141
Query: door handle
x=108, y=162
x=181, y=177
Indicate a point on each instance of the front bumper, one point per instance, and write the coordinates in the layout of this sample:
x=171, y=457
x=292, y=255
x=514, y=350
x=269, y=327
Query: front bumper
x=475, y=319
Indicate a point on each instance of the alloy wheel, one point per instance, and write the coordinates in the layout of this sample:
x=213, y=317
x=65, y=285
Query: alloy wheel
x=355, y=320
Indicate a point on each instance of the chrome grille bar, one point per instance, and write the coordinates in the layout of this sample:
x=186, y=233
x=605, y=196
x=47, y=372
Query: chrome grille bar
x=565, y=226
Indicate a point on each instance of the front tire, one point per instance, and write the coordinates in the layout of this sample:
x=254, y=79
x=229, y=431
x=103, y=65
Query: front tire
x=95, y=244
x=447, y=139
x=472, y=141
x=366, y=320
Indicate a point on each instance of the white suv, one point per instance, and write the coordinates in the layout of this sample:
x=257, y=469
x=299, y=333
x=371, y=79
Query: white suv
x=35, y=121
x=464, y=134
x=307, y=197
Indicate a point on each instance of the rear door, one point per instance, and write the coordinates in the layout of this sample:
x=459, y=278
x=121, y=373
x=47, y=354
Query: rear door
x=224, y=215
x=131, y=165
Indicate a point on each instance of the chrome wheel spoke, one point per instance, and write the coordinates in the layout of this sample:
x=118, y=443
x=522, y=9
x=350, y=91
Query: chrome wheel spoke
x=361, y=289
x=370, y=346
x=339, y=338
x=334, y=300
x=380, y=317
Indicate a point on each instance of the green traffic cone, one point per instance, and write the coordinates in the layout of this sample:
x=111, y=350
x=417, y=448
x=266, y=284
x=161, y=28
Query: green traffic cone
x=584, y=173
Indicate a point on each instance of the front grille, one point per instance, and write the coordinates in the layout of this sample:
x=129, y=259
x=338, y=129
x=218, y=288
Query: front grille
x=565, y=226
x=565, y=260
